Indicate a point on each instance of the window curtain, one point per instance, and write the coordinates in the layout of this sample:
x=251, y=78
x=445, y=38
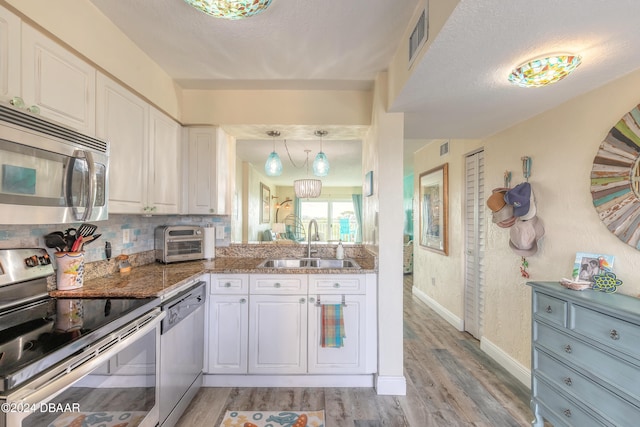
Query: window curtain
x=357, y=208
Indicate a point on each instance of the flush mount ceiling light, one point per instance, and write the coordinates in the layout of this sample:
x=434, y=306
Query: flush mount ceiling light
x=307, y=188
x=273, y=165
x=230, y=9
x=544, y=71
x=321, y=162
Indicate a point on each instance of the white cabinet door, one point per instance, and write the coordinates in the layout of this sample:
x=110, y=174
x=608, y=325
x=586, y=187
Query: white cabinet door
x=278, y=334
x=61, y=84
x=228, y=331
x=350, y=358
x=202, y=170
x=9, y=55
x=123, y=120
x=164, y=164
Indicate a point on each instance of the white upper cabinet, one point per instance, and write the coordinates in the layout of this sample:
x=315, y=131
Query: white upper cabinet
x=122, y=119
x=144, y=175
x=210, y=152
x=164, y=163
x=62, y=85
x=9, y=55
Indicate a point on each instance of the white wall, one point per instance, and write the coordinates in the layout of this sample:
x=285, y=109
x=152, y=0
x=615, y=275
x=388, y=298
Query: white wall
x=562, y=144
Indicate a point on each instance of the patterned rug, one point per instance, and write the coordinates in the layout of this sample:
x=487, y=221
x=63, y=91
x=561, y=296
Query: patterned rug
x=273, y=419
x=99, y=419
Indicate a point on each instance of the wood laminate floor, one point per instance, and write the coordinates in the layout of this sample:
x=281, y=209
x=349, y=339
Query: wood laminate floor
x=450, y=382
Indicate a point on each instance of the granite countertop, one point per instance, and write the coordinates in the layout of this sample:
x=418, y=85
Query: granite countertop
x=160, y=280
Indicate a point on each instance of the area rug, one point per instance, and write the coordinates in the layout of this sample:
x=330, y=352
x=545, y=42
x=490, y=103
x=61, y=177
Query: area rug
x=99, y=419
x=273, y=419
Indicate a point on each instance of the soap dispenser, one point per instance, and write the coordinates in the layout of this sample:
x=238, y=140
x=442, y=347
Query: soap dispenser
x=340, y=251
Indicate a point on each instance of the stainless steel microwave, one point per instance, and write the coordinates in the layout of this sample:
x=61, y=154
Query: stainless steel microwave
x=49, y=173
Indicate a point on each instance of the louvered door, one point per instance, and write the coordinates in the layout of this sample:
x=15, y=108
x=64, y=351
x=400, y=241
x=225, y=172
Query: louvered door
x=474, y=243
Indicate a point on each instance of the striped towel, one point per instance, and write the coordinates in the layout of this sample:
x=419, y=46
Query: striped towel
x=332, y=326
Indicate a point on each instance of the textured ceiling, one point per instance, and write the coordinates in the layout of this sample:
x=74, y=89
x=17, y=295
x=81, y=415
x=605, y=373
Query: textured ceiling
x=457, y=90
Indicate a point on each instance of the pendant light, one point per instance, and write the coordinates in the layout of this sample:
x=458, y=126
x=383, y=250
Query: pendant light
x=307, y=188
x=273, y=165
x=230, y=9
x=321, y=163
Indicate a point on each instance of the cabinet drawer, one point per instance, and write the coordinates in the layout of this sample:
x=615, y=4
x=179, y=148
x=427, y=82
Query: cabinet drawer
x=229, y=284
x=560, y=408
x=278, y=284
x=601, y=400
x=337, y=283
x=615, y=333
x=551, y=309
x=589, y=360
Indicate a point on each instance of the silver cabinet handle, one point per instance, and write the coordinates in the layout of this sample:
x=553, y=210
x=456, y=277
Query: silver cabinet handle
x=227, y=285
x=312, y=300
x=336, y=285
x=302, y=300
x=567, y=381
x=567, y=413
x=548, y=309
x=243, y=300
x=277, y=285
x=614, y=334
x=568, y=349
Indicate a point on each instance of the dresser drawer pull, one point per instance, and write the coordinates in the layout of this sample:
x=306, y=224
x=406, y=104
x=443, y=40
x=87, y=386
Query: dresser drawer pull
x=614, y=334
x=568, y=349
x=568, y=381
x=336, y=285
x=567, y=413
x=548, y=309
x=276, y=285
x=227, y=285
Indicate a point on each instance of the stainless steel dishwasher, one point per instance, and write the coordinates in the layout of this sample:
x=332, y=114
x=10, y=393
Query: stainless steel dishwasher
x=181, y=352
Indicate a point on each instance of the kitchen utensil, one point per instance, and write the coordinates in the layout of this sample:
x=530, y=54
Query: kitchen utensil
x=77, y=244
x=70, y=236
x=89, y=239
x=86, y=229
x=54, y=240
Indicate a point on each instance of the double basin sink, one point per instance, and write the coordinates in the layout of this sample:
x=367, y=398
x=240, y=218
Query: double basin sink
x=309, y=263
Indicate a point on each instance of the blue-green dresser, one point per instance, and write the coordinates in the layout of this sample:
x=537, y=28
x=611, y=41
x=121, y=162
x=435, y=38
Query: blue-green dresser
x=585, y=357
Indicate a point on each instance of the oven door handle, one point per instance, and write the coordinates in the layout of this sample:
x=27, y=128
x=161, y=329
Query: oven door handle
x=78, y=367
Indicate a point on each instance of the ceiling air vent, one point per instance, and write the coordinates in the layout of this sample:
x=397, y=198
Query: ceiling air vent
x=418, y=36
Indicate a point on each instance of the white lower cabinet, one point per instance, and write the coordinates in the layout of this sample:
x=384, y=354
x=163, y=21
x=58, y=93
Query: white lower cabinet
x=271, y=325
x=228, y=325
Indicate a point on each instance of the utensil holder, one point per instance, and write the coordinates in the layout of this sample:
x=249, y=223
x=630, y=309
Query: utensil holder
x=70, y=272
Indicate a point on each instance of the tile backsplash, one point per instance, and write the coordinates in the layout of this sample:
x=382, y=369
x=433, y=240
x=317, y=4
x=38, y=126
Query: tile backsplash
x=141, y=233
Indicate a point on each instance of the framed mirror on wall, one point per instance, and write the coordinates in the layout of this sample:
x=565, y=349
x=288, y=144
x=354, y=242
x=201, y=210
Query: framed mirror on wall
x=434, y=209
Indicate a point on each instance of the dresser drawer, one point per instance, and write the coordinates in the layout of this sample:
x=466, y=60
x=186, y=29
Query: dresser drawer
x=272, y=284
x=557, y=407
x=615, y=333
x=599, y=399
x=337, y=283
x=229, y=284
x=551, y=309
x=589, y=360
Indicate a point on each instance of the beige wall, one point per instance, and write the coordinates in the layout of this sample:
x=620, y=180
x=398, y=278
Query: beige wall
x=562, y=144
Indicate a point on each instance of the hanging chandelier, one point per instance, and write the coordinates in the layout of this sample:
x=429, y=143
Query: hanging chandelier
x=307, y=188
x=230, y=9
x=321, y=162
x=273, y=165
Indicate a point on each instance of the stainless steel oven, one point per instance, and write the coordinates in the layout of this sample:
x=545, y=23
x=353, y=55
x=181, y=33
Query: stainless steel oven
x=75, y=360
x=49, y=173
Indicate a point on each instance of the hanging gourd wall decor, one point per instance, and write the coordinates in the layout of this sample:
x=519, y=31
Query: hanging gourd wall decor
x=615, y=179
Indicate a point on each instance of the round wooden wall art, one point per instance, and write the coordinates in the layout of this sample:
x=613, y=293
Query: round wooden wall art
x=615, y=179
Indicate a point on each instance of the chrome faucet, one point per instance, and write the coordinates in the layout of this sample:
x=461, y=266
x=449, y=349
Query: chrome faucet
x=312, y=222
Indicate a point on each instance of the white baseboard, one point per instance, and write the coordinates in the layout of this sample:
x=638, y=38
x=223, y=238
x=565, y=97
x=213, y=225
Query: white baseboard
x=454, y=320
x=395, y=386
x=216, y=380
x=515, y=368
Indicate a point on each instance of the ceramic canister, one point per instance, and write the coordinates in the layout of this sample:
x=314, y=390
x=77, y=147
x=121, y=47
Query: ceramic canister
x=70, y=271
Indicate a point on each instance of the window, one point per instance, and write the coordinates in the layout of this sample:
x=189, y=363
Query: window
x=336, y=218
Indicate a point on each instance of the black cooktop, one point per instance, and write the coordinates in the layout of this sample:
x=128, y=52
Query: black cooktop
x=39, y=335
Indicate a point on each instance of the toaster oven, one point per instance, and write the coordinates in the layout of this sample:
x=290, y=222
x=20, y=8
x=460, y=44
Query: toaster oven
x=174, y=243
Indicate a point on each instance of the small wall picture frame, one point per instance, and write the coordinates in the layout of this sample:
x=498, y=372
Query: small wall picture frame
x=265, y=197
x=367, y=186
